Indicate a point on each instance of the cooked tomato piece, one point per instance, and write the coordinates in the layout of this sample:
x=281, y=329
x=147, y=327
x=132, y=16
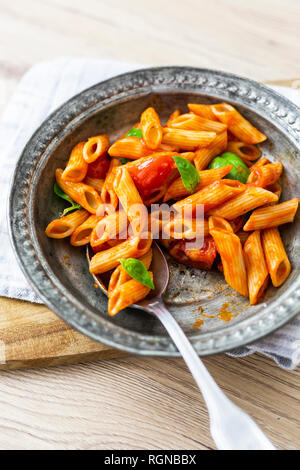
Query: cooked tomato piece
x=201, y=258
x=98, y=169
x=151, y=174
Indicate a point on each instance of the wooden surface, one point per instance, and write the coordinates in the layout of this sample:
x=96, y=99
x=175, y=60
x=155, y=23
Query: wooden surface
x=132, y=402
x=35, y=337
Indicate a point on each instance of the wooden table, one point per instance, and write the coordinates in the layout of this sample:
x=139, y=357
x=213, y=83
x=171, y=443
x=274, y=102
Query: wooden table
x=133, y=402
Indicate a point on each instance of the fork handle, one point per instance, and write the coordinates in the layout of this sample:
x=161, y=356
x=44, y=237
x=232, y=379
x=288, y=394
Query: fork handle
x=231, y=428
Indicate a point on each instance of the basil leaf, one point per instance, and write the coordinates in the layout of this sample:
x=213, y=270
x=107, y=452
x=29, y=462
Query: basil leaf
x=125, y=160
x=137, y=270
x=189, y=175
x=71, y=208
x=59, y=192
x=135, y=132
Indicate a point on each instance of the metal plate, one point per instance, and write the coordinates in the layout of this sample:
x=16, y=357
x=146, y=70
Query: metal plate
x=59, y=272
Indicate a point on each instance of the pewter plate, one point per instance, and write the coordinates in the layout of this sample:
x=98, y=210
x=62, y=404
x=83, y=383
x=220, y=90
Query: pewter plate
x=59, y=272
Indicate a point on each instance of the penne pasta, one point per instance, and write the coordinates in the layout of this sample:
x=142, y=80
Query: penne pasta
x=106, y=260
x=277, y=261
x=65, y=226
x=203, y=110
x=108, y=195
x=204, y=156
x=257, y=271
x=230, y=250
x=250, y=199
x=129, y=147
x=275, y=188
x=177, y=190
x=84, y=195
x=246, y=152
x=237, y=124
x=120, y=275
x=77, y=167
x=186, y=228
x=151, y=128
x=82, y=234
x=263, y=161
x=109, y=228
x=187, y=140
x=265, y=175
x=173, y=116
x=96, y=183
x=126, y=191
x=127, y=294
x=193, y=122
x=212, y=195
x=219, y=222
x=272, y=216
x=95, y=147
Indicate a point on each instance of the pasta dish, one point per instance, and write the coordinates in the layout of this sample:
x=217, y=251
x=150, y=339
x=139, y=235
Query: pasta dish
x=198, y=183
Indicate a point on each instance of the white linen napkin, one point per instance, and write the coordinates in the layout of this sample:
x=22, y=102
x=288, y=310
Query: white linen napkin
x=42, y=89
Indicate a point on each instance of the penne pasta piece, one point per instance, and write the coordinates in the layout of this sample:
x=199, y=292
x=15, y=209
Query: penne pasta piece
x=237, y=124
x=95, y=147
x=166, y=148
x=106, y=260
x=230, y=250
x=204, y=156
x=151, y=128
x=186, y=228
x=110, y=227
x=130, y=200
x=246, y=152
x=82, y=234
x=177, y=190
x=77, y=167
x=203, y=110
x=275, y=188
x=96, y=183
x=187, y=140
x=257, y=271
x=212, y=195
x=250, y=199
x=65, y=226
x=272, y=216
x=263, y=161
x=108, y=195
x=277, y=261
x=120, y=275
x=129, y=147
x=193, y=122
x=84, y=195
x=265, y=175
x=173, y=116
x=219, y=222
x=127, y=294
x=126, y=191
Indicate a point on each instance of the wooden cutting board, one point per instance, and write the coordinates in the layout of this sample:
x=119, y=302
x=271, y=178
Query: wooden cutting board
x=33, y=336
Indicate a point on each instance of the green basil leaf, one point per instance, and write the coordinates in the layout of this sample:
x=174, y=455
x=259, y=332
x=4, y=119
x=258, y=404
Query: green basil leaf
x=72, y=208
x=240, y=171
x=135, y=132
x=125, y=160
x=189, y=175
x=137, y=270
x=59, y=192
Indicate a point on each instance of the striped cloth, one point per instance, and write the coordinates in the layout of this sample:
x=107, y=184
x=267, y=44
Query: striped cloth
x=42, y=89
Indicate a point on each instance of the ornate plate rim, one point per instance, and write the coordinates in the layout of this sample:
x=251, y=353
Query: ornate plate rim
x=255, y=96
